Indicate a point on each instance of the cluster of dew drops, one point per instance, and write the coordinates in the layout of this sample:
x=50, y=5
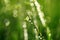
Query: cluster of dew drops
x=39, y=36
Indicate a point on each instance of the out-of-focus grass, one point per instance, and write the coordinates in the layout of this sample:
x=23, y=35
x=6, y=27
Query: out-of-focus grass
x=29, y=20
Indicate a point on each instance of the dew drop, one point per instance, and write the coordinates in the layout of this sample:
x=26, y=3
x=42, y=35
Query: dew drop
x=32, y=4
x=24, y=25
x=31, y=23
x=7, y=22
x=49, y=34
x=15, y=13
x=27, y=18
x=40, y=37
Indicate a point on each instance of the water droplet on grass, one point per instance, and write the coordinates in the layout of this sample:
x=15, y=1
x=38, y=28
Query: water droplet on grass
x=31, y=22
x=15, y=13
x=27, y=18
x=7, y=22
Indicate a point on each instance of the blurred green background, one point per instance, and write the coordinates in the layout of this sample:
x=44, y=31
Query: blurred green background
x=29, y=20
